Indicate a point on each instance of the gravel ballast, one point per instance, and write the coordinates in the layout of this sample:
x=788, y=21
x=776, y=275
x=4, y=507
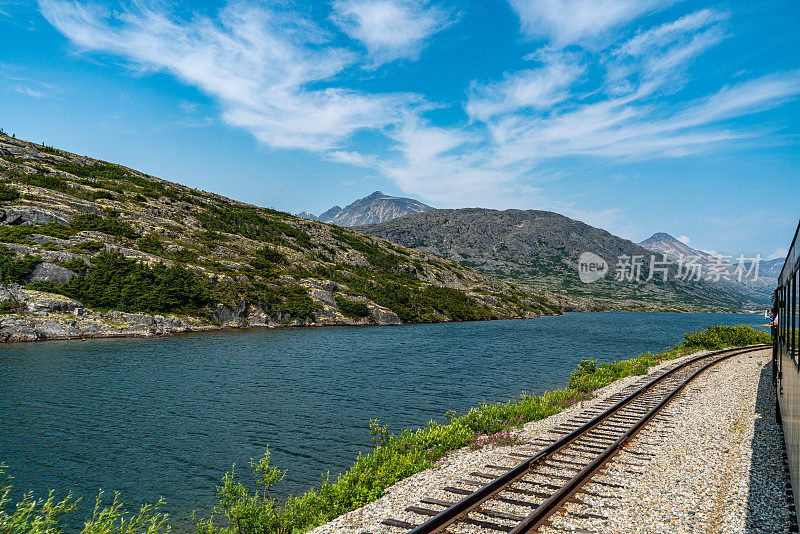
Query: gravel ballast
x=712, y=461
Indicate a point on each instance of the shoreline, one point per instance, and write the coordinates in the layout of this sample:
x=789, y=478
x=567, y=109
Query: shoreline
x=152, y=326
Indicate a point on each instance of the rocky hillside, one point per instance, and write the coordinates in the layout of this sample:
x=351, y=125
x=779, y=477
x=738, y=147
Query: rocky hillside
x=375, y=208
x=89, y=248
x=541, y=248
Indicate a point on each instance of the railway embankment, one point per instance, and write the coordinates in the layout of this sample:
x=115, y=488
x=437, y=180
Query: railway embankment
x=711, y=461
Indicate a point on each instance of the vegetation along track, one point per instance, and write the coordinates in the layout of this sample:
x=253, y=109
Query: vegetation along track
x=522, y=498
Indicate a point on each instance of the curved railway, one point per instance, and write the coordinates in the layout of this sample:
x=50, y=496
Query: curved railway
x=552, y=471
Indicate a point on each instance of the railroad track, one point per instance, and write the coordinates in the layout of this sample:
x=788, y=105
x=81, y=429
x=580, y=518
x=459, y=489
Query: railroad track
x=551, y=471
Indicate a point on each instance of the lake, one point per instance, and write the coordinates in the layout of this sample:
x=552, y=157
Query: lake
x=168, y=416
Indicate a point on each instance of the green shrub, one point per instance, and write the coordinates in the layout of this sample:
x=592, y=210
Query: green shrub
x=182, y=255
x=416, y=304
x=48, y=181
x=296, y=303
x=718, y=336
x=350, y=308
x=88, y=247
x=374, y=254
x=253, y=224
x=94, y=222
x=46, y=286
x=19, y=233
x=97, y=195
x=590, y=375
x=13, y=270
x=50, y=150
x=265, y=259
x=115, y=282
x=151, y=243
x=270, y=254
x=106, y=171
x=44, y=516
x=8, y=193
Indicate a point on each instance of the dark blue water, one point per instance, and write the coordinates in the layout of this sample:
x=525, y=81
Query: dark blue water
x=167, y=417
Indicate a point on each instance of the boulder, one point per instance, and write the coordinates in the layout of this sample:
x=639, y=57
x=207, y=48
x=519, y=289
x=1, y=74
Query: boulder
x=384, y=315
x=230, y=315
x=48, y=272
x=31, y=216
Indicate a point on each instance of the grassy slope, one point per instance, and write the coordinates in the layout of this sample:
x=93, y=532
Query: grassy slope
x=171, y=240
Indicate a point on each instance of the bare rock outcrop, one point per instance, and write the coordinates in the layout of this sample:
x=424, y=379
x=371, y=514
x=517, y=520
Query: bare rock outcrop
x=49, y=272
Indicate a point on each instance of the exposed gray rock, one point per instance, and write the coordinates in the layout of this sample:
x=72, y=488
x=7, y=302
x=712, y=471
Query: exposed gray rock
x=32, y=216
x=47, y=272
x=82, y=324
x=47, y=255
x=36, y=301
x=383, y=315
x=322, y=295
x=333, y=287
x=230, y=315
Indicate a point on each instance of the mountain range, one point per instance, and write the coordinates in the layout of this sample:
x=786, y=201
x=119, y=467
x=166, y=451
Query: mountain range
x=541, y=249
x=758, y=284
x=375, y=208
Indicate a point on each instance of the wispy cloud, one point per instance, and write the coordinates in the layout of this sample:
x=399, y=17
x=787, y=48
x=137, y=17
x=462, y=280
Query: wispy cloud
x=661, y=55
x=289, y=81
x=537, y=89
x=390, y=29
x=258, y=62
x=584, y=22
x=28, y=91
x=685, y=239
x=23, y=85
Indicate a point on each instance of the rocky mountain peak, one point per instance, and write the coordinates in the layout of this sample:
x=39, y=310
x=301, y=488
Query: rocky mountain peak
x=374, y=208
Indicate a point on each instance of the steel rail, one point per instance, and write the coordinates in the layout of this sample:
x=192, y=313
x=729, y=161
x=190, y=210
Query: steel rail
x=478, y=497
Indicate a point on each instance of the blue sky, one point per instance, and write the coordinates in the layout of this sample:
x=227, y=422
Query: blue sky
x=633, y=115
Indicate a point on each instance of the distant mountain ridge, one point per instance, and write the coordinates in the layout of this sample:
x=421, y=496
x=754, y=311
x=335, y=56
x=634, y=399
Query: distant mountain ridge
x=677, y=251
x=673, y=248
x=541, y=248
x=375, y=208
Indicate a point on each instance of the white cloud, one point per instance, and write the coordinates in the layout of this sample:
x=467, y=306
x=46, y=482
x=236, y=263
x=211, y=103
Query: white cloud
x=352, y=158
x=278, y=75
x=257, y=62
x=585, y=22
x=390, y=29
x=28, y=91
x=624, y=128
x=780, y=252
x=659, y=55
x=685, y=239
x=539, y=89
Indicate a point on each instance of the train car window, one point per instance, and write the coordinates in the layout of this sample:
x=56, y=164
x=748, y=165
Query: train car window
x=796, y=318
x=793, y=321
